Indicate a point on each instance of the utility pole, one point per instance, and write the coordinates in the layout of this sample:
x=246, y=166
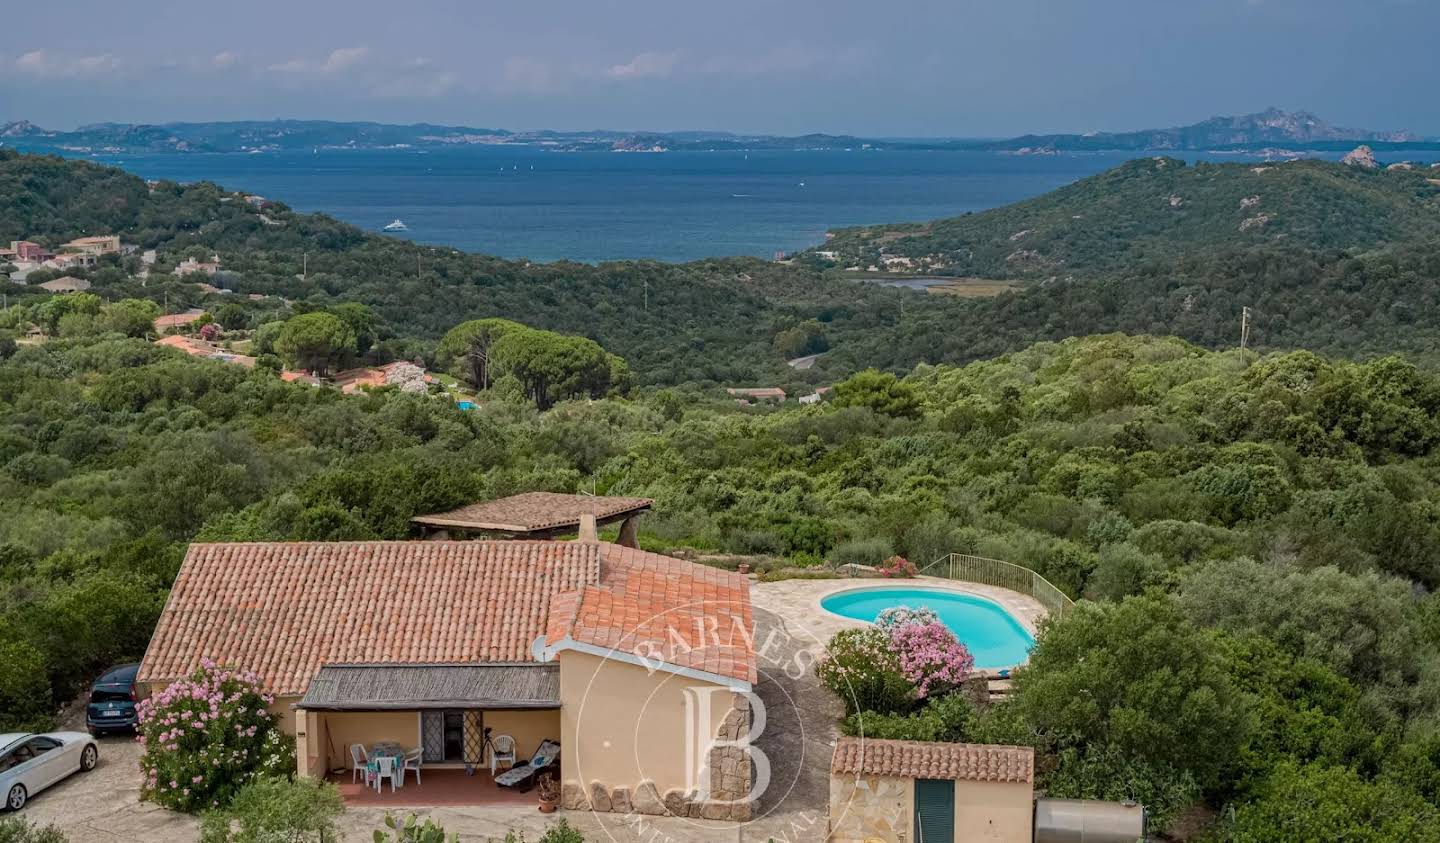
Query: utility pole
x=1244, y=328
x=647, y=295
x=304, y=266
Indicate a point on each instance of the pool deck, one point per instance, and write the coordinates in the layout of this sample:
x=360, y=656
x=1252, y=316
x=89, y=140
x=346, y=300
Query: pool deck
x=798, y=602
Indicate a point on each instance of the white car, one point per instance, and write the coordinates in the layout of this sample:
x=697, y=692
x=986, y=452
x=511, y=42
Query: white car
x=30, y=763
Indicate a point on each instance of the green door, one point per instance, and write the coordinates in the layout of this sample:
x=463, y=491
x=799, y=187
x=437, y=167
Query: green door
x=934, y=811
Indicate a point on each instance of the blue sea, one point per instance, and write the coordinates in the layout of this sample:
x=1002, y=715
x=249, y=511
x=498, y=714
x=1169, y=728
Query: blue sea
x=523, y=202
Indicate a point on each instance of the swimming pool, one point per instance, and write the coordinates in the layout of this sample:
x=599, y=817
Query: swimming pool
x=994, y=637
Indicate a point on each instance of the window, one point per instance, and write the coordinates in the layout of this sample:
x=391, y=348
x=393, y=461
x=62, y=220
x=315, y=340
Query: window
x=40, y=746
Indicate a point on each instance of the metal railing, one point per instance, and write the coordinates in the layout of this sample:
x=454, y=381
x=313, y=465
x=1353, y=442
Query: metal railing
x=985, y=571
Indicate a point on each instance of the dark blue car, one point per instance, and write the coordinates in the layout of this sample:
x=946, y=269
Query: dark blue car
x=112, y=701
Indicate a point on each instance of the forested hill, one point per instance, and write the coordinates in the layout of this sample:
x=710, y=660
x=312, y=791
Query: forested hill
x=1346, y=262
x=1161, y=209
x=723, y=320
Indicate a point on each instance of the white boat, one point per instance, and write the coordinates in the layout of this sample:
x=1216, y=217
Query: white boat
x=397, y=225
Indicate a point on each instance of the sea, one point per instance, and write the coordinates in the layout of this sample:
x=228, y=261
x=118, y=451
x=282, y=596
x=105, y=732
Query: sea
x=529, y=203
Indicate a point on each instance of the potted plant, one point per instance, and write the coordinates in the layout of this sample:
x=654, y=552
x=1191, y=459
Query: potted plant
x=549, y=794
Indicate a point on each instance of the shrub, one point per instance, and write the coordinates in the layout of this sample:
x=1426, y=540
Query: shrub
x=208, y=736
x=896, y=616
x=412, y=831
x=277, y=809
x=17, y=830
x=560, y=832
x=860, y=668
x=863, y=551
x=930, y=656
x=1318, y=802
x=898, y=567
x=948, y=718
x=1113, y=775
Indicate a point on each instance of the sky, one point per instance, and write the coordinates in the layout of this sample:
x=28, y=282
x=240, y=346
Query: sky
x=903, y=68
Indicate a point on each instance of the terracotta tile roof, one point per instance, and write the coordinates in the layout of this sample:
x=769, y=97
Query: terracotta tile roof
x=926, y=760
x=178, y=320
x=285, y=609
x=662, y=608
x=533, y=511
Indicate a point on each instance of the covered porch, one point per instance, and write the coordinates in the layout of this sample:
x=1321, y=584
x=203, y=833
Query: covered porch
x=451, y=718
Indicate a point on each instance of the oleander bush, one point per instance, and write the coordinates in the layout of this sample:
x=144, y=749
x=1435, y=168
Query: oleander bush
x=863, y=672
x=208, y=736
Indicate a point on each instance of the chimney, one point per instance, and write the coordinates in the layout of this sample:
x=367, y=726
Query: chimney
x=588, y=531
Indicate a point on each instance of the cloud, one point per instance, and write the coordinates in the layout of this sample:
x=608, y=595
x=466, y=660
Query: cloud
x=223, y=59
x=343, y=58
x=646, y=65
x=530, y=76
x=42, y=64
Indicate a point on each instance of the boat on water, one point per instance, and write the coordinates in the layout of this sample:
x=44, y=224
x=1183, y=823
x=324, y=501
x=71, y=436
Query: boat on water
x=397, y=225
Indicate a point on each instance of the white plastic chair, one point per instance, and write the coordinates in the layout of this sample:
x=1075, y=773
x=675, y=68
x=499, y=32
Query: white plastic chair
x=359, y=759
x=387, y=770
x=502, y=749
x=411, y=761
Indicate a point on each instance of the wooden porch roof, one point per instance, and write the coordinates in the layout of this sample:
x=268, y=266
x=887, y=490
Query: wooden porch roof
x=409, y=687
x=536, y=512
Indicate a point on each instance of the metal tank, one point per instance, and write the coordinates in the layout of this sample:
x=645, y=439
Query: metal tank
x=1088, y=821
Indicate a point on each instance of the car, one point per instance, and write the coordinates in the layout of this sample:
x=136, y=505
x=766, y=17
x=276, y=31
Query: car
x=29, y=763
x=112, y=701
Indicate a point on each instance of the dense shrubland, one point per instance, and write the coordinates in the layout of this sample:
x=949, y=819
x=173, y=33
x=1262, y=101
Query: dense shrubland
x=1258, y=533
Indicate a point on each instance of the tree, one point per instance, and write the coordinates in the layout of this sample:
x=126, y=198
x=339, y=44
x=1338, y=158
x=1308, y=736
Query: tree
x=1137, y=676
x=131, y=317
x=880, y=391
x=315, y=342
x=465, y=348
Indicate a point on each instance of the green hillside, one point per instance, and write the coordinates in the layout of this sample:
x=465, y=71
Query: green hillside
x=1160, y=209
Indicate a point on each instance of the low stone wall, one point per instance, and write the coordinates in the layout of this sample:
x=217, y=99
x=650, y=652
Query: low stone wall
x=865, y=809
x=730, y=774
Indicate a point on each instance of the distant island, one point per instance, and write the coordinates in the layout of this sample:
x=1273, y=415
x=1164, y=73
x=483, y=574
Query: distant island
x=1292, y=131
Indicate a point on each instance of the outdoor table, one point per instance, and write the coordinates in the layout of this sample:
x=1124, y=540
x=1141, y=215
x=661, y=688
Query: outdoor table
x=385, y=749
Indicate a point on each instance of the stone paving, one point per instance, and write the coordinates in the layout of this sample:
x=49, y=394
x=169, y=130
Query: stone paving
x=799, y=736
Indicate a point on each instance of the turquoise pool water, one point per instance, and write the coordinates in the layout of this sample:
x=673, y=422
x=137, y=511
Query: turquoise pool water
x=995, y=639
x=465, y=405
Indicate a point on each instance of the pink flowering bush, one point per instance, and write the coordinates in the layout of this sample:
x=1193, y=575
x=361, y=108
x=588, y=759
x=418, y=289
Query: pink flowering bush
x=930, y=656
x=897, y=567
x=895, y=616
x=861, y=669
x=206, y=736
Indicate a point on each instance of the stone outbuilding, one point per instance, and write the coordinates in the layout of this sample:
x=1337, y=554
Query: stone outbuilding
x=539, y=515
x=924, y=792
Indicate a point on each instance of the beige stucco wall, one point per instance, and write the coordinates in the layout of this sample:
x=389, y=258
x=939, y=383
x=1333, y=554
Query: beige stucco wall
x=528, y=728
x=994, y=811
x=621, y=725
x=367, y=727
x=870, y=808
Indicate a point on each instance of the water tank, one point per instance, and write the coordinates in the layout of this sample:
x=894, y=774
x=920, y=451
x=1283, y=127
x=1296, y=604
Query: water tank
x=1088, y=821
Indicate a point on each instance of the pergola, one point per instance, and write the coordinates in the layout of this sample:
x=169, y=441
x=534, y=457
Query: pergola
x=538, y=515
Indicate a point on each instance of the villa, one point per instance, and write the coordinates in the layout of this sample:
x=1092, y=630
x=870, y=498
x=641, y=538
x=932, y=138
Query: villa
x=633, y=662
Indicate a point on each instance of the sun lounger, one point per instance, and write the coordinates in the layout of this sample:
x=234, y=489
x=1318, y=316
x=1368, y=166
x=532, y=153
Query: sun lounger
x=524, y=776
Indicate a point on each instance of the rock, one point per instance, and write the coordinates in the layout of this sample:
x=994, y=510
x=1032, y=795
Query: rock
x=1403, y=165
x=1362, y=156
x=715, y=810
x=677, y=802
x=647, y=799
x=1249, y=202
x=599, y=797
x=572, y=797
x=620, y=800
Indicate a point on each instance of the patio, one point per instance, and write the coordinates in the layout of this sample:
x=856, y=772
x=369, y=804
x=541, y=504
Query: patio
x=440, y=787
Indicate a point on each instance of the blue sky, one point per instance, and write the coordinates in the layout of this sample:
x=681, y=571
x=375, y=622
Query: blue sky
x=899, y=68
